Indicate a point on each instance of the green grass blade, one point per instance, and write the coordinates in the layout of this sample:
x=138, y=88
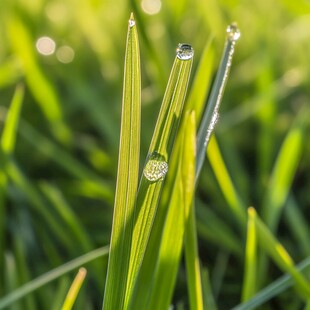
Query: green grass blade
x=127, y=176
x=193, y=271
x=211, y=114
x=208, y=298
x=74, y=289
x=279, y=255
x=7, y=146
x=9, y=132
x=176, y=222
x=51, y=276
x=249, y=282
x=273, y=289
x=225, y=182
x=158, y=157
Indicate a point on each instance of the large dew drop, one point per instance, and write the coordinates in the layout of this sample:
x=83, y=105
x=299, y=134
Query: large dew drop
x=185, y=51
x=233, y=32
x=155, y=168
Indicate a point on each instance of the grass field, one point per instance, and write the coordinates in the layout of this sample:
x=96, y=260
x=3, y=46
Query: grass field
x=79, y=134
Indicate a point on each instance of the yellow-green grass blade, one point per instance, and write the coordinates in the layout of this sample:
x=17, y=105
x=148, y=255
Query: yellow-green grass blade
x=158, y=158
x=195, y=102
x=74, y=289
x=273, y=289
x=249, y=278
x=176, y=222
x=41, y=88
x=52, y=275
x=8, y=139
x=193, y=272
x=222, y=175
x=127, y=176
x=280, y=256
x=284, y=171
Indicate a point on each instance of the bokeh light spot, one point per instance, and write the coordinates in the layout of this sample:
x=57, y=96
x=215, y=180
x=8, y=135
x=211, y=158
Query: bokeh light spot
x=151, y=7
x=65, y=54
x=46, y=46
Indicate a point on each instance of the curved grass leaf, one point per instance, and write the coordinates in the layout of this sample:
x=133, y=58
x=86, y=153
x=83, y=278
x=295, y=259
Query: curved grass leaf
x=74, y=289
x=51, y=276
x=273, y=289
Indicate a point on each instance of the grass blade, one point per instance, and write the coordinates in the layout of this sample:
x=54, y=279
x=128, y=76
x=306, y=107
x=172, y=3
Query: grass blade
x=51, y=276
x=7, y=146
x=249, y=282
x=211, y=114
x=273, y=289
x=74, y=289
x=127, y=176
x=193, y=271
x=159, y=155
x=176, y=222
x=279, y=254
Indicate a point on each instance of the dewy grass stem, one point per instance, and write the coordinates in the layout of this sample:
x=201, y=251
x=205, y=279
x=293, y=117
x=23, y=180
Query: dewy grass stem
x=210, y=116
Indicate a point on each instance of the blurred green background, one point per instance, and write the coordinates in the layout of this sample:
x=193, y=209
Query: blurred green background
x=56, y=202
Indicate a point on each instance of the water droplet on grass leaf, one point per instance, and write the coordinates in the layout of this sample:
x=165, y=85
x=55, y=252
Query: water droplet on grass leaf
x=155, y=168
x=185, y=51
x=233, y=32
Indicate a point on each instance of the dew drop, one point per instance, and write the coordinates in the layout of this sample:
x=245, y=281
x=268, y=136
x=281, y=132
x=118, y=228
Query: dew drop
x=155, y=168
x=131, y=22
x=185, y=51
x=233, y=32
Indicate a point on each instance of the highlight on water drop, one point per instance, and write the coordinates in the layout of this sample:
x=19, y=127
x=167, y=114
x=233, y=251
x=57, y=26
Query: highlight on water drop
x=185, y=51
x=156, y=167
x=233, y=32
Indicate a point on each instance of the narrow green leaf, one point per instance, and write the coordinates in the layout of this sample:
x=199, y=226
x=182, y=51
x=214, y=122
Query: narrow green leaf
x=9, y=132
x=176, y=222
x=210, y=116
x=51, y=276
x=195, y=102
x=127, y=176
x=273, y=289
x=279, y=254
x=74, y=289
x=159, y=155
x=193, y=271
x=7, y=146
x=208, y=298
x=225, y=182
x=249, y=282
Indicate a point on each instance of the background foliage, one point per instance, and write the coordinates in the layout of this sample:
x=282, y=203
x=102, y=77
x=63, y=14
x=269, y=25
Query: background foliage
x=58, y=182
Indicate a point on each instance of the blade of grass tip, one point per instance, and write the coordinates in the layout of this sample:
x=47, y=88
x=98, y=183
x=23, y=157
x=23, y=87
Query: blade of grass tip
x=208, y=298
x=249, y=282
x=51, y=276
x=127, y=176
x=194, y=102
x=273, y=289
x=156, y=165
x=7, y=146
x=279, y=255
x=176, y=222
x=74, y=289
x=192, y=263
x=210, y=116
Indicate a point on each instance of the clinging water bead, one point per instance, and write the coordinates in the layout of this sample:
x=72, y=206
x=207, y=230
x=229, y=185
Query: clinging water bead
x=233, y=32
x=185, y=51
x=155, y=168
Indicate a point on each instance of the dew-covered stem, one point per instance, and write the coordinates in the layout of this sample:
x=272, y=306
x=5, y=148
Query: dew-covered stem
x=211, y=113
